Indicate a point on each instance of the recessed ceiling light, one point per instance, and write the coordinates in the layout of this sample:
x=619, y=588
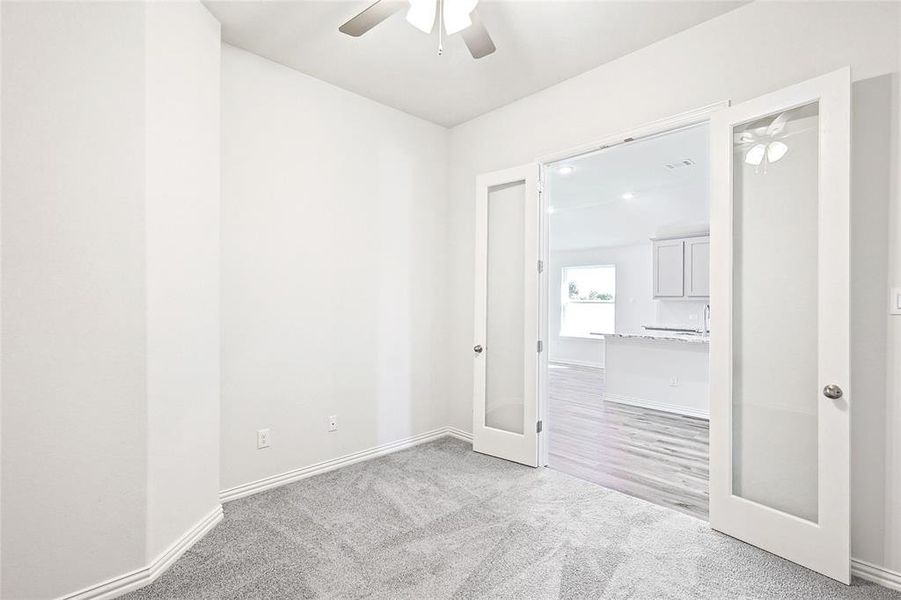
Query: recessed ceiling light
x=566, y=169
x=628, y=196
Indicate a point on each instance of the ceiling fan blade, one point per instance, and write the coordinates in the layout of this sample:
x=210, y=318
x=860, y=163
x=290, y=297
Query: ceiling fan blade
x=372, y=16
x=477, y=39
x=777, y=125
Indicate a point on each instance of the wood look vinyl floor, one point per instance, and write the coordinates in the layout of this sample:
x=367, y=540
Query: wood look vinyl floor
x=656, y=456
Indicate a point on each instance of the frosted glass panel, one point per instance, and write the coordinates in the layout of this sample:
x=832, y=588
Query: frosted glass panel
x=774, y=335
x=505, y=346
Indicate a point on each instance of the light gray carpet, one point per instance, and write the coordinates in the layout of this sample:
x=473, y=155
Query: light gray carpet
x=440, y=521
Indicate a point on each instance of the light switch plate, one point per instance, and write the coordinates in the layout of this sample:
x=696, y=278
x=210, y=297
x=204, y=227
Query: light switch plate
x=895, y=302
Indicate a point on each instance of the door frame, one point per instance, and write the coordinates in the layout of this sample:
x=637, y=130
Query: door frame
x=545, y=161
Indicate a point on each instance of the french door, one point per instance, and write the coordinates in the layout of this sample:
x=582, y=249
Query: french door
x=505, y=343
x=779, y=367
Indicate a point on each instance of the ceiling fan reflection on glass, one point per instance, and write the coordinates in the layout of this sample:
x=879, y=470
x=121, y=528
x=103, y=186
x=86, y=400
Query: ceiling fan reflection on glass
x=764, y=145
x=452, y=16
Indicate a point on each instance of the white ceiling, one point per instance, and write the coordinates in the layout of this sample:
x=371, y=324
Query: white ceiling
x=539, y=43
x=589, y=210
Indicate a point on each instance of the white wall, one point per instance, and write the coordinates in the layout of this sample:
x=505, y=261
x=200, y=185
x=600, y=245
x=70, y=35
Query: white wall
x=1, y=304
x=692, y=69
x=74, y=423
x=110, y=287
x=893, y=338
x=872, y=100
x=182, y=212
x=333, y=270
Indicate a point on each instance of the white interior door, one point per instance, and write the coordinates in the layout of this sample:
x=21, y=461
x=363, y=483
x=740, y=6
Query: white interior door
x=505, y=345
x=779, y=377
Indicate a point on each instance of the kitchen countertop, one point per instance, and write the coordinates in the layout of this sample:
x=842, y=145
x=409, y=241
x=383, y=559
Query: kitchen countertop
x=662, y=336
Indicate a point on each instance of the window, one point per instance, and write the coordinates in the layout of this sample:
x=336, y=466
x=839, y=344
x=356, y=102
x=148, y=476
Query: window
x=588, y=296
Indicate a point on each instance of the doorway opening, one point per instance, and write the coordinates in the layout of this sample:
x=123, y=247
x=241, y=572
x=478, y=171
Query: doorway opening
x=628, y=309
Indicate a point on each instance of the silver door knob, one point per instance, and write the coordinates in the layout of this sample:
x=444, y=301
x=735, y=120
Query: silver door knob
x=477, y=349
x=832, y=391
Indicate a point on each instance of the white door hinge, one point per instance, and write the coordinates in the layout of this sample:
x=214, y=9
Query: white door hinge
x=540, y=346
x=541, y=266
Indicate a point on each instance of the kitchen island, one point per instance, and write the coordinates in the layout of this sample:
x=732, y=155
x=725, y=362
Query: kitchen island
x=660, y=370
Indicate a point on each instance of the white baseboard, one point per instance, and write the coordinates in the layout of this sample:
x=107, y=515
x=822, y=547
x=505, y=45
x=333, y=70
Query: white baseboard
x=274, y=481
x=117, y=586
x=876, y=574
x=679, y=410
x=459, y=434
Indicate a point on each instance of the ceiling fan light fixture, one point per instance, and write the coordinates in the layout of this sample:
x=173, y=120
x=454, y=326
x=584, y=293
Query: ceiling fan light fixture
x=422, y=14
x=453, y=16
x=755, y=155
x=775, y=151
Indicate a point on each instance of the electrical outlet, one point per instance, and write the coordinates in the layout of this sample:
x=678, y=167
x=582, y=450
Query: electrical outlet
x=333, y=423
x=262, y=438
x=674, y=381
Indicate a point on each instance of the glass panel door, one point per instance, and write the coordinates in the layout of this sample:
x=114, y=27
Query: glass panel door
x=779, y=372
x=505, y=345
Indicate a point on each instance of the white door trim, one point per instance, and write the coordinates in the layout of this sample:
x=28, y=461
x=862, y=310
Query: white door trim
x=821, y=546
x=652, y=128
x=522, y=448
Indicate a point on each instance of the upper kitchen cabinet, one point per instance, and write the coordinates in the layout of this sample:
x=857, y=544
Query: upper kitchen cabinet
x=682, y=267
x=697, y=267
x=669, y=258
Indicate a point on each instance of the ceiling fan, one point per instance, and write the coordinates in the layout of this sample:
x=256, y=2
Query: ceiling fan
x=762, y=144
x=453, y=16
